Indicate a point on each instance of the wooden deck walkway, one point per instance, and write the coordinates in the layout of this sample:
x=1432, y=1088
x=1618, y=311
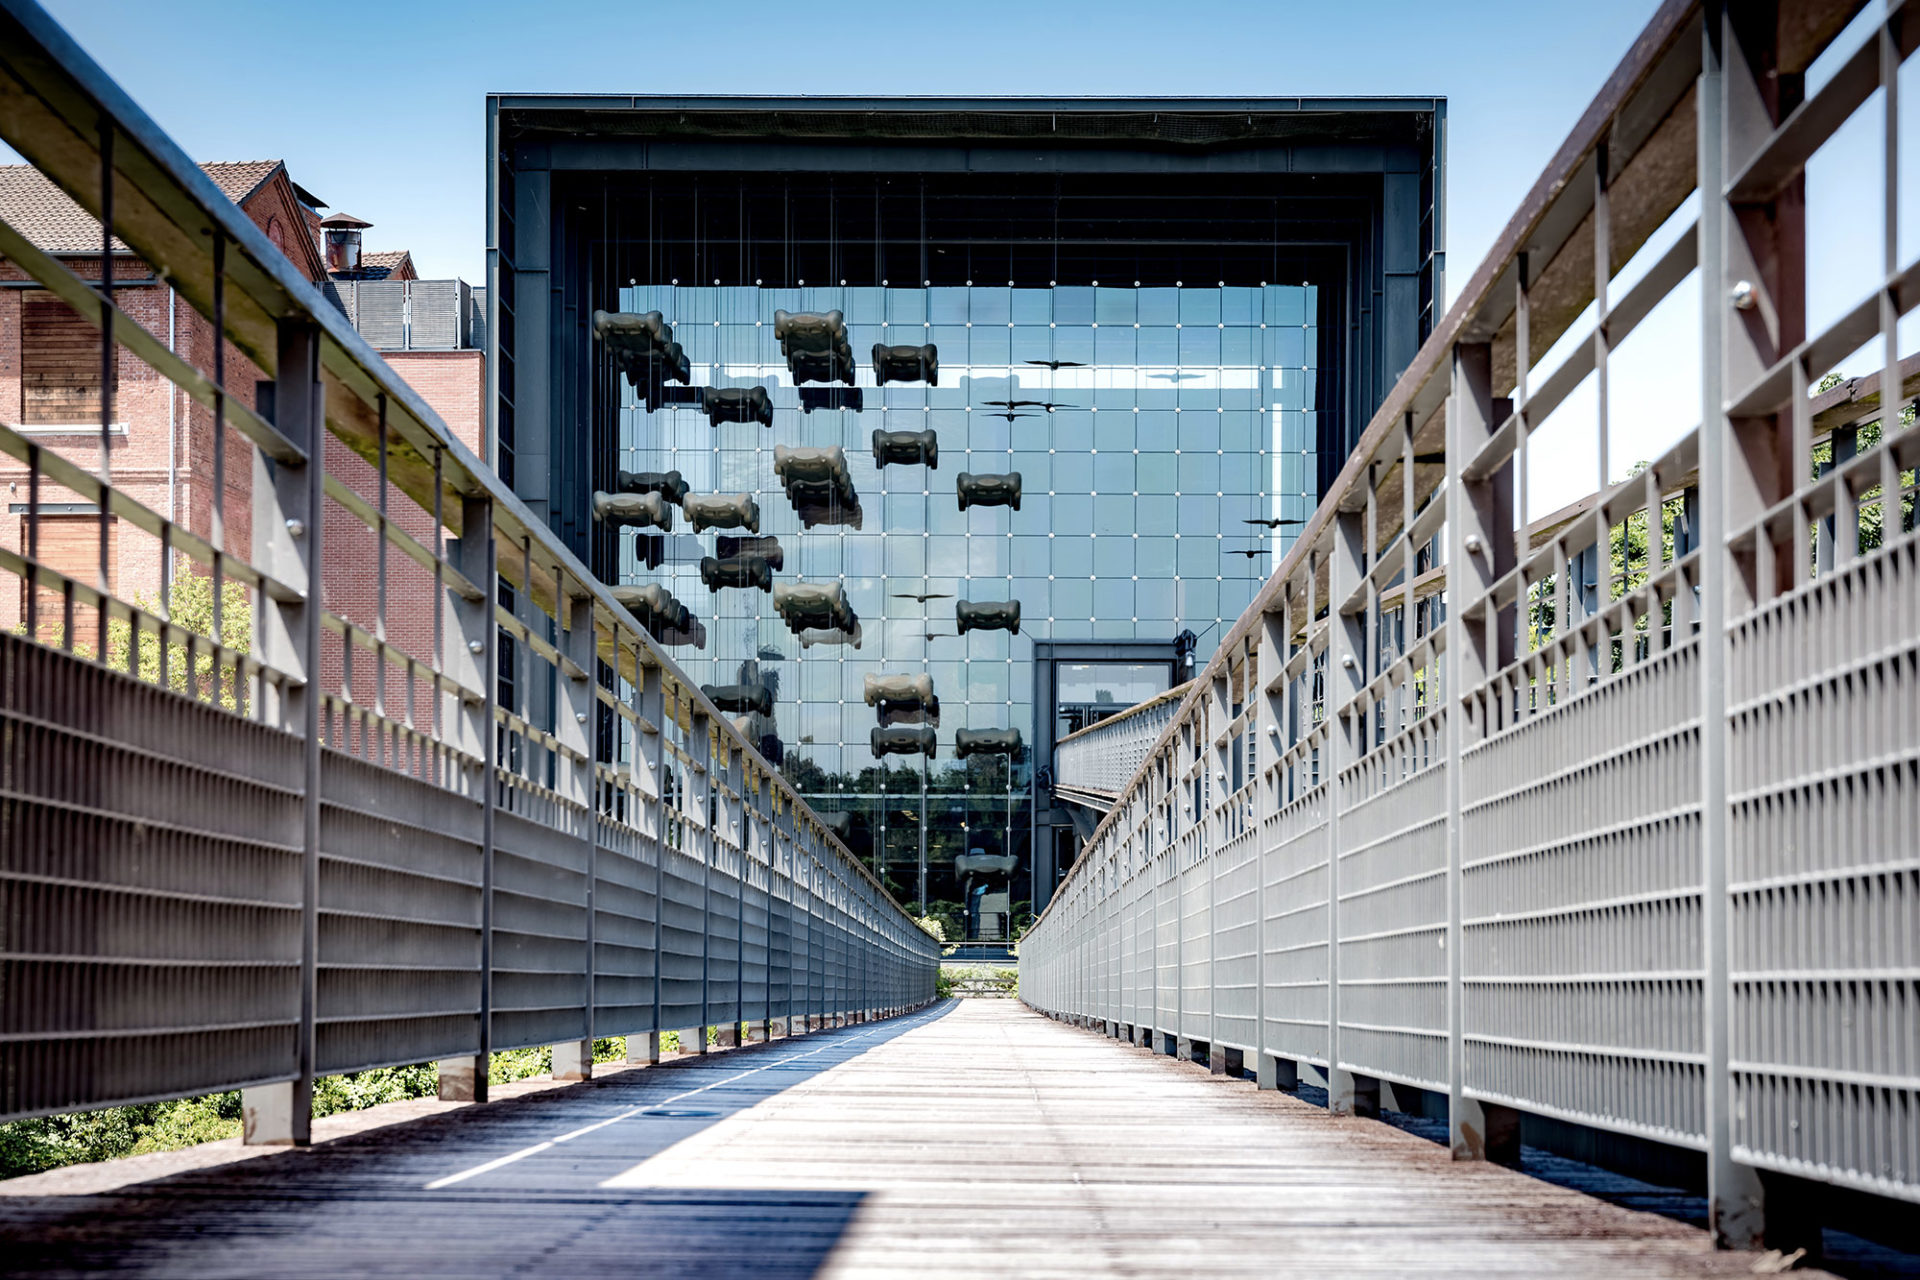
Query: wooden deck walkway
x=973, y=1139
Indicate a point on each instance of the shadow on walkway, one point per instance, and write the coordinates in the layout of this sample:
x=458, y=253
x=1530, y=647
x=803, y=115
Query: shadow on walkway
x=479, y=1191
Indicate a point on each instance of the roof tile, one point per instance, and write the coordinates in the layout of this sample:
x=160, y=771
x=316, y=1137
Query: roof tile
x=53, y=223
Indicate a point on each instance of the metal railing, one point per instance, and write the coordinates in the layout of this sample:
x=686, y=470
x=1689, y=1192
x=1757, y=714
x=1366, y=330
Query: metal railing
x=354, y=764
x=1612, y=823
x=1096, y=762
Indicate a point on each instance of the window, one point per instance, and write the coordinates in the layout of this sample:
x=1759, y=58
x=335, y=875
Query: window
x=59, y=364
x=70, y=546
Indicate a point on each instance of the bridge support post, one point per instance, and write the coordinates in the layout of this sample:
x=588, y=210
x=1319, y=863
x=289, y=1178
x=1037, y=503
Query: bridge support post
x=1743, y=97
x=469, y=636
x=1347, y=665
x=727, y=1036
x=1271, y=1072
x=573, y=1060
x=462, y=1079
x=1340, y=1092
x=1484, y=512
x=1486, y=1130
x=649, y=776
x=1352, y=1094
x=276, y=1115
x=576, y=727
x=287, y=540
x=699, y=787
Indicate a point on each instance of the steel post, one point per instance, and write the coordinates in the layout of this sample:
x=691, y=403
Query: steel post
x=287, y=541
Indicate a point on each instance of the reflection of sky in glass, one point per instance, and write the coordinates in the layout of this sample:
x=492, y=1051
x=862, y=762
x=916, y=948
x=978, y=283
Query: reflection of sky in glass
x=1189, y=413
x=1121, y=683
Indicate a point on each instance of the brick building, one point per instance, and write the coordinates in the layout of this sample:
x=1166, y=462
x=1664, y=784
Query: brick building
x=162, y=442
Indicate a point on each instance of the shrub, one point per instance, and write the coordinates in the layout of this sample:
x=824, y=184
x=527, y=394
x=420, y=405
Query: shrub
x=51, y=1142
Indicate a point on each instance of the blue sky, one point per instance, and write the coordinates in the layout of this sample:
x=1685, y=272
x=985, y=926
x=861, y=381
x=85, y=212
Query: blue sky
x=379, y=109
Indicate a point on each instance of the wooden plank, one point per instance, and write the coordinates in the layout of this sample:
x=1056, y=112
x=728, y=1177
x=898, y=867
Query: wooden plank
x=976, y=1138
x=59, y=364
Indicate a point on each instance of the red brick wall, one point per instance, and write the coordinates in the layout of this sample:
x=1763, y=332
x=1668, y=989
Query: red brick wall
x=139, y=454
x=453, y=383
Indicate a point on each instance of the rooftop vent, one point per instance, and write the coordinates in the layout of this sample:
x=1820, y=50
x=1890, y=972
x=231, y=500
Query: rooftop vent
x=342, y=232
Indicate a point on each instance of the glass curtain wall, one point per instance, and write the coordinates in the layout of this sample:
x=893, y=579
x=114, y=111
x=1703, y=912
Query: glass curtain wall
x=1165, y=443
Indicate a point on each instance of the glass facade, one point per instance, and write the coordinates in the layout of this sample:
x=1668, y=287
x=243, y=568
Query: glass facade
x=1165, y=442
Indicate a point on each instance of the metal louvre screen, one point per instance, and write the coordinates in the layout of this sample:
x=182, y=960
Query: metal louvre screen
x=683, y=918
x=1822, y=877
x=625, y=932
x=540, y=929
x=436, y=314
x=1294, y=937
x=150, y=879
x=1608, y=809
x=399, y=966
x=1580, y=912
x=1393, y=917
x=381, y=313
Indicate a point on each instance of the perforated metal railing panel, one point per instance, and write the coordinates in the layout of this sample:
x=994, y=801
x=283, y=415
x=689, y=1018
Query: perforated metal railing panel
x=1606, y=814
x=1823, y=879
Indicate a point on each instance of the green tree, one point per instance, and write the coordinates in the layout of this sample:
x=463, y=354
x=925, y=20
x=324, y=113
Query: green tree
x=1866, y=437
x=190, y=607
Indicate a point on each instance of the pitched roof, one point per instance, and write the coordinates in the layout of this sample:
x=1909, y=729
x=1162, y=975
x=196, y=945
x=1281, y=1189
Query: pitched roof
x=46, y=215
x=387, y=264
x=238, y=179
x=53, y=223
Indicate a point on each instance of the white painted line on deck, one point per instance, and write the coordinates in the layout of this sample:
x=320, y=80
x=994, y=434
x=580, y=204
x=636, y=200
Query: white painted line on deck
x=631, y=1112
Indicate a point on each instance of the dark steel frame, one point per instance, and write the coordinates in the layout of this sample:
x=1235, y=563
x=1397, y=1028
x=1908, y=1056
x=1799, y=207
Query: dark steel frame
x=556, y=161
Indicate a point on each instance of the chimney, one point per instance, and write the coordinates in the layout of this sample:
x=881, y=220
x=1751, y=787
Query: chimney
x=342, y=232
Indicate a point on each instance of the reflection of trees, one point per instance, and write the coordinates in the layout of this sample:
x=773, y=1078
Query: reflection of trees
x=971, y=807
x=952, y=917
x=750, y=671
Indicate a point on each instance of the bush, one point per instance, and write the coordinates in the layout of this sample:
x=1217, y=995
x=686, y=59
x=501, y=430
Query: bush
x=976, y=980
x=361, y=1089
x=51, y=1142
